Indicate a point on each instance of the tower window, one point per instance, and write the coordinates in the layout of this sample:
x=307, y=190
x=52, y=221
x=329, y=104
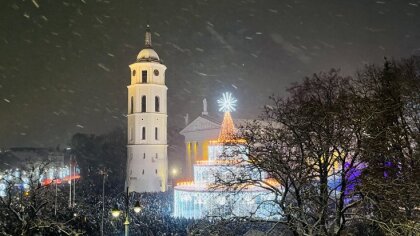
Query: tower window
x=132, y=105
x=156, y=133
x=156, y=171
x=142, y=172
x=134, y=72
x=144, y=155
x=157, y=104
x=144, y=76
x=143, y=133
x=143, y=103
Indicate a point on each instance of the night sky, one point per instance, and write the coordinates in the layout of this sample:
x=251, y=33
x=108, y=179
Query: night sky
x=64, y=64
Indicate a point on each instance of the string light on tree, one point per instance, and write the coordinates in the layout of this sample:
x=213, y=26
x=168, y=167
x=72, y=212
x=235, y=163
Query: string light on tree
x=227, y=103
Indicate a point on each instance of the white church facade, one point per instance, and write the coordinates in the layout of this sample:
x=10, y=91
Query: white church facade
x=197, y=137
x=147, y=160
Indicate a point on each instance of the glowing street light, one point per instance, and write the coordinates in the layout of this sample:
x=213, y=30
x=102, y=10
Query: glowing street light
x=174, y=171
x=115, y=212
x=137, y=207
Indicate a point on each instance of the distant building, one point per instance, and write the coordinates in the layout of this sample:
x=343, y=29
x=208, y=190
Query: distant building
x=200, y=198
x=20, y=157
x=17, y=163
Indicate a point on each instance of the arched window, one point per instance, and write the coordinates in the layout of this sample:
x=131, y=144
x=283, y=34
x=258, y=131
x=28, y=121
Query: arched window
x=144, y=76
x=157, y=104
x=156, y=133
x=132, y=105
x=143, y=104
x=143, y=133
x=134, y=72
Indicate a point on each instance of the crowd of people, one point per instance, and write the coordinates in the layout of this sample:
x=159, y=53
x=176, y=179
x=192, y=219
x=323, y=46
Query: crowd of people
x=155, y=217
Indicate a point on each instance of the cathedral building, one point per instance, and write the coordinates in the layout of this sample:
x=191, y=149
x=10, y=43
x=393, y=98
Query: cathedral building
x=198, y=133
x=147, y=160
x=202, y=196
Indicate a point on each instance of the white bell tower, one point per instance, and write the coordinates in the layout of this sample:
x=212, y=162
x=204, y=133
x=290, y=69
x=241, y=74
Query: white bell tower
x=147, y=160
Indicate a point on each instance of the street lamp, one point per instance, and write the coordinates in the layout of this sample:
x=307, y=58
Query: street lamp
x=137, y=207
x=104, y=174
x=117, y=212
x=174, y=172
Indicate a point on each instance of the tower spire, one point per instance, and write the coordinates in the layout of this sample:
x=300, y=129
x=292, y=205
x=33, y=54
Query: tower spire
x=148, y=38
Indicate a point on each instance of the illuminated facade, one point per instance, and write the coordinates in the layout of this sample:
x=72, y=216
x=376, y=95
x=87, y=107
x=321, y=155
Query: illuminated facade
x=198, y=135
x=21, y=161
x=57, y=175
x=147, y=161
x=201, y=197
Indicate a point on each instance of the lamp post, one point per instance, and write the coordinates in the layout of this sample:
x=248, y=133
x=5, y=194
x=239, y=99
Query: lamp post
x=117, y=212
x=174, y=174
x=104, y=173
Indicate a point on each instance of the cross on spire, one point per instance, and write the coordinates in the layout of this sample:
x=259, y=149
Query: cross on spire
x=148, y=38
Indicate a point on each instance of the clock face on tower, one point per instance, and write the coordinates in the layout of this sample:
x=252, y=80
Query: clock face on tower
x=156, y=72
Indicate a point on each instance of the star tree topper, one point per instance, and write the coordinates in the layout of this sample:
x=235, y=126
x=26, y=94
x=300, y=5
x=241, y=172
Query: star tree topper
x=227, y=103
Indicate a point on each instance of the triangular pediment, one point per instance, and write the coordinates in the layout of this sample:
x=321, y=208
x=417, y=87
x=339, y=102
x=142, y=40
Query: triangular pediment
x=200, y=123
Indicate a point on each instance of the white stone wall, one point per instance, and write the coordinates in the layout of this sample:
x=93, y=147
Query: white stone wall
x=147, y=161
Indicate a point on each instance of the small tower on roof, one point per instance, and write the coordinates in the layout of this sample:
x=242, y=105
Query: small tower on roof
x=148, y=38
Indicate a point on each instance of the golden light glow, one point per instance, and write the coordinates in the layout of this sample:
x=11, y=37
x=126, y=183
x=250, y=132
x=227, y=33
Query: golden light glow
x=227, y=131
x=204, y=148
x=218, y=162
x=185, y=183
x=116, y=213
